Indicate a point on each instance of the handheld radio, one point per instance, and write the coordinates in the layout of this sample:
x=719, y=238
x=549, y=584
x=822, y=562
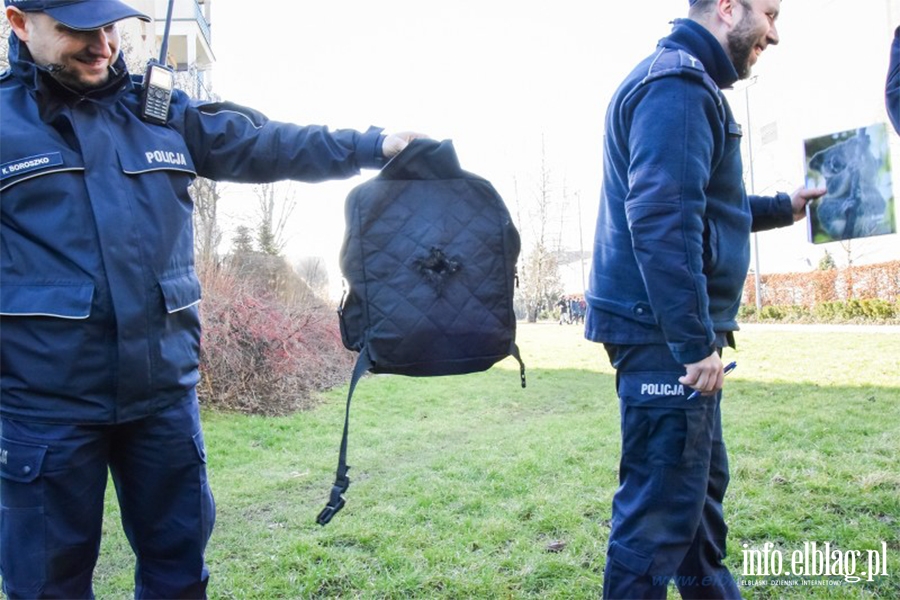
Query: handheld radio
x=159, y=81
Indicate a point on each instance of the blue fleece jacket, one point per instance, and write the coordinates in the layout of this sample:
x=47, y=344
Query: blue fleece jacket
x=892, y=88
x=672, y=244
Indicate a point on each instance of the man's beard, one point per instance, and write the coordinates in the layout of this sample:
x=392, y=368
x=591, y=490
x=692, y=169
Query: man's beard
x=70, y=80
x=741, y=43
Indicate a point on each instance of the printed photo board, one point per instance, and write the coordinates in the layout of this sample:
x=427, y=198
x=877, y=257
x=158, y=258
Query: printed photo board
x=855, y=167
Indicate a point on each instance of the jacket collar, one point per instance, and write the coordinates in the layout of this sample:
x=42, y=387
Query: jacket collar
x=696, y=40
x=37, y=79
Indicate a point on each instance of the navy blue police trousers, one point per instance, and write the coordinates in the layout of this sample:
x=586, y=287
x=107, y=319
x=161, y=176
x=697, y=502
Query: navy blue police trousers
x=667, y=521
x=52, y=494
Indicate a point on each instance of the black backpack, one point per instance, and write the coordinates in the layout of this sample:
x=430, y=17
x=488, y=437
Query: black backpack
x=429, y=256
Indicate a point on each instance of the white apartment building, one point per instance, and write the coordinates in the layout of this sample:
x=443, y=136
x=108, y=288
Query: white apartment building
x=190, y=41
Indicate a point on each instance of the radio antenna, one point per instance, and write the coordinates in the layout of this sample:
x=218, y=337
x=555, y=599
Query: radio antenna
x=164, y=49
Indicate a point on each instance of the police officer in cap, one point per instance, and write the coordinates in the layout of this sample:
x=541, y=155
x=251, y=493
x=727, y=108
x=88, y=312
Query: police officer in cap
x=672, y=250
x=98, y=297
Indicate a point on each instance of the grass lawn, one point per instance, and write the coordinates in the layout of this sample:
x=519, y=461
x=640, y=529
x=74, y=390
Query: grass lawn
x=471, y=487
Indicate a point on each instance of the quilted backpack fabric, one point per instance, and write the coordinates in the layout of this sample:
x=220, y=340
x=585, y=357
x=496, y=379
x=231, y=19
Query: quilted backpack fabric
x=429, y=257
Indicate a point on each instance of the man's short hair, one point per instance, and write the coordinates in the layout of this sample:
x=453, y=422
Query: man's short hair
x=700, y=6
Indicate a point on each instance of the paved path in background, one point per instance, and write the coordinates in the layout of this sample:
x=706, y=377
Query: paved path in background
x=895, y=329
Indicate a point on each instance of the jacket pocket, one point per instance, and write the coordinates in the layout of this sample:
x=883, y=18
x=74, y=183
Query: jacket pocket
x=639, y=311
x=60, y=300
x=180, y=292
x=176, y=353
x=711, y=245
x=144, y=149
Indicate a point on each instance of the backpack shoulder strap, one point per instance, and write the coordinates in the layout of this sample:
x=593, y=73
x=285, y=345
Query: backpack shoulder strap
x=342, y=482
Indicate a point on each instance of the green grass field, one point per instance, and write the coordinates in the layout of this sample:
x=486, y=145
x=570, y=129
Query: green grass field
x=471, y=487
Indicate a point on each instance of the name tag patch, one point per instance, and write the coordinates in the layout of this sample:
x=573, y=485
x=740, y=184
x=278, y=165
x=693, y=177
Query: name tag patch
x=29, y=164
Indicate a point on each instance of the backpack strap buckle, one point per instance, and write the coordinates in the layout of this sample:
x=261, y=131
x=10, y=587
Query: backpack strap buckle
x=335, y=501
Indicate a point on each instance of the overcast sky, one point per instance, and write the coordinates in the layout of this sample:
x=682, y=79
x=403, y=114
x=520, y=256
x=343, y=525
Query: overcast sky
x=499, y=76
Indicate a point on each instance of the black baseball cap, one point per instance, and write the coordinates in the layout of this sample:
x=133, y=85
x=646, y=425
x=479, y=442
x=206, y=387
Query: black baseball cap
x=82, y=15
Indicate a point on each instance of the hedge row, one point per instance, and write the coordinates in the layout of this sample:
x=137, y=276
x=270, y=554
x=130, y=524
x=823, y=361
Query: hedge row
x=870, y=282
x=869, y=310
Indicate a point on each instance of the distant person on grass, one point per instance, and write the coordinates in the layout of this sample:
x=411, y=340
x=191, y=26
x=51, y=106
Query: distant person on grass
x=99, y=297
x=563, y=306
x=671, y=254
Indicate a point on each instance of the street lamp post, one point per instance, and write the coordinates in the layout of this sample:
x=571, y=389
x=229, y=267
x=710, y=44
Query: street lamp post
x=756, y=273
x=581, y=245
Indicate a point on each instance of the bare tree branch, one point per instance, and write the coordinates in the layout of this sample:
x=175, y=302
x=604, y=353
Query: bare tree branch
x=276, y=204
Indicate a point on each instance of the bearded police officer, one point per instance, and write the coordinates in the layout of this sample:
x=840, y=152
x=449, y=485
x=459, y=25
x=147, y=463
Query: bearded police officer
x=670, y=257
x=99, y=297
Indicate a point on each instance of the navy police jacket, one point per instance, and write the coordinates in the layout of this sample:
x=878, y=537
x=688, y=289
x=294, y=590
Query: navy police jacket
x=98, y=294
x=892, y=87
x=672, y=244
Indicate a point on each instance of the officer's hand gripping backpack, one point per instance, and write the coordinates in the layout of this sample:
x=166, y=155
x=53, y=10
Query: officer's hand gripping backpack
x=429, y=256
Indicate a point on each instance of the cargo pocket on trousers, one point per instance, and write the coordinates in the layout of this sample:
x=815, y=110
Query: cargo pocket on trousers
x=22, y=562
x=631, y=560
x=208, y=503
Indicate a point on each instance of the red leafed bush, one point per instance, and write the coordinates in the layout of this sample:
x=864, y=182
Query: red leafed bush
x=264, y=351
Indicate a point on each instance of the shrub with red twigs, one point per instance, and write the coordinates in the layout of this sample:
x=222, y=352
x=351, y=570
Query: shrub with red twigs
x=264, y=351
